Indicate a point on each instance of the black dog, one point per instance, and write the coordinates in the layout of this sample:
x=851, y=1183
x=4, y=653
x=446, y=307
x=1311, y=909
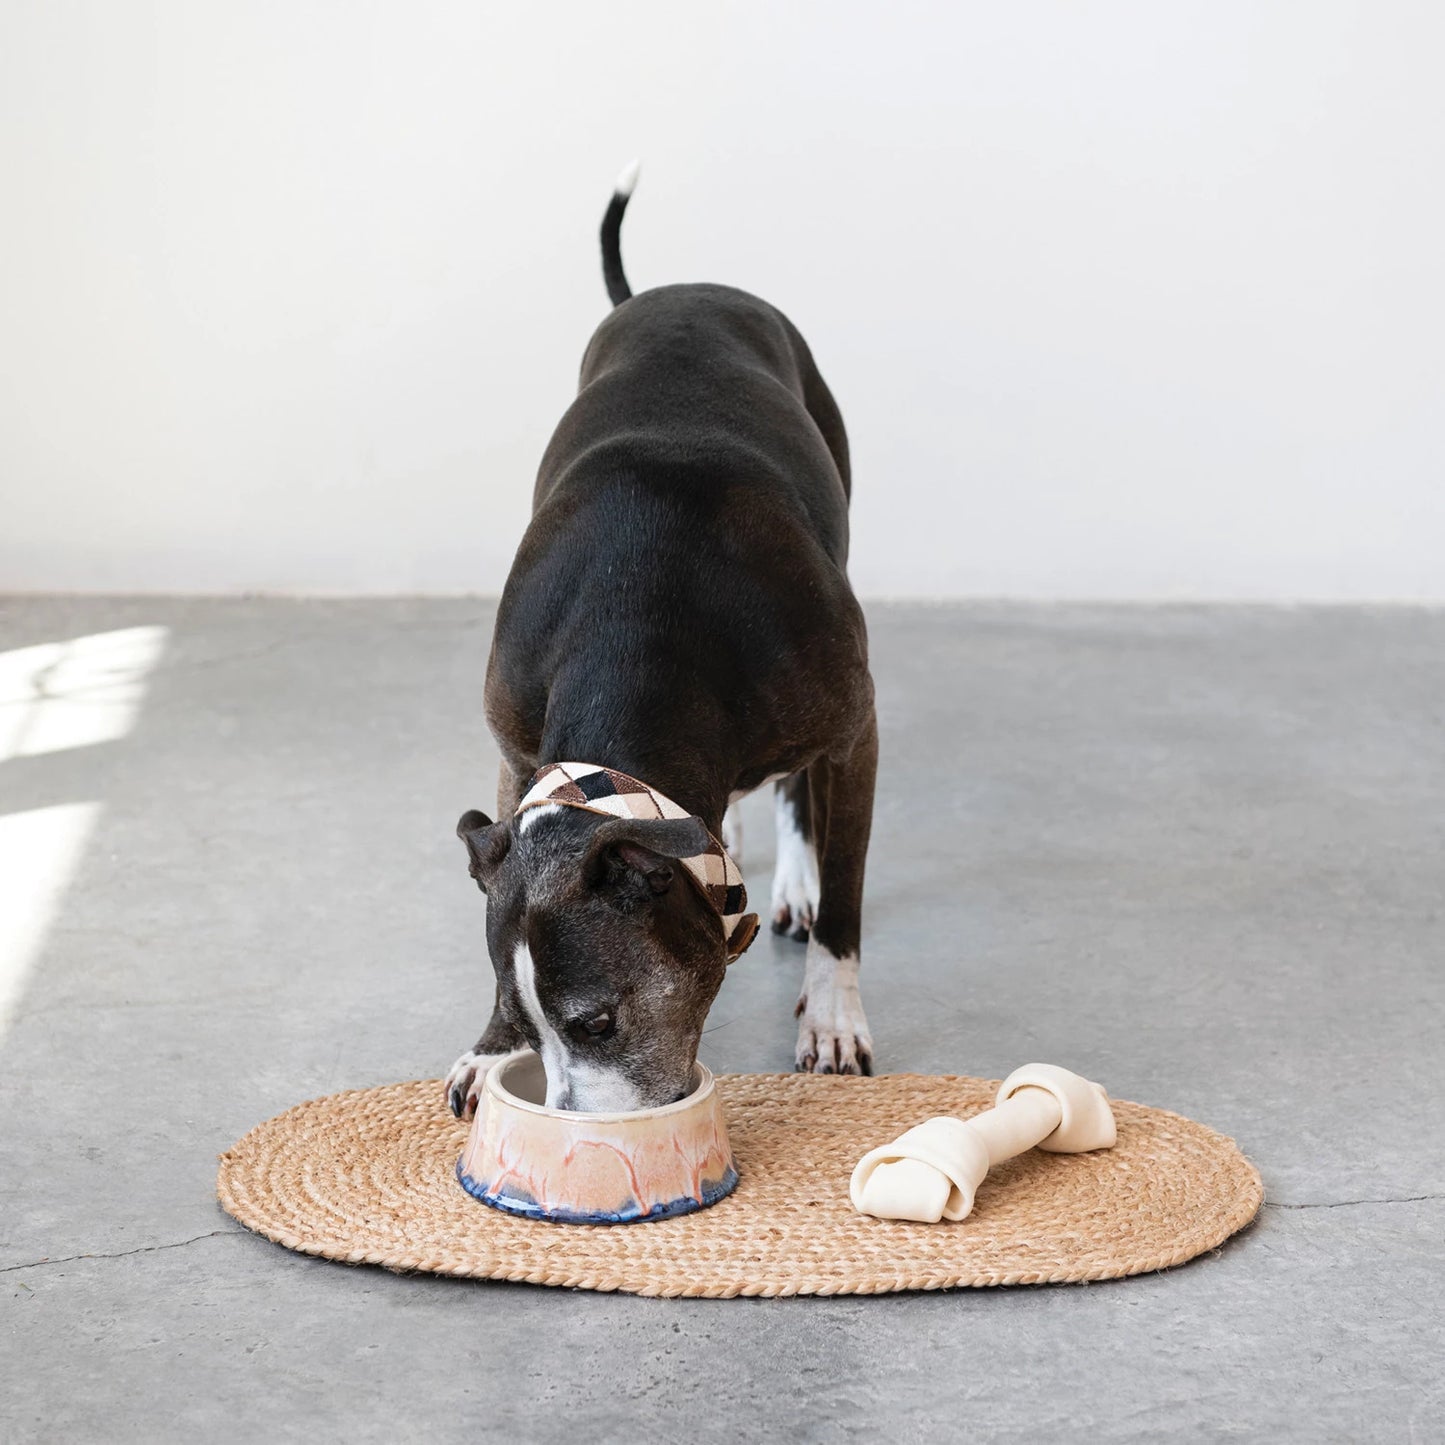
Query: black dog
x=679, y=612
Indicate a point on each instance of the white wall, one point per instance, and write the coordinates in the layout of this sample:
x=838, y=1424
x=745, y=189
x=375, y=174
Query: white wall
x=1119, y=300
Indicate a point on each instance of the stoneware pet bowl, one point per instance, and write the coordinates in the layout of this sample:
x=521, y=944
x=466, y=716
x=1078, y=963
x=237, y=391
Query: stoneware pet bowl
x=579, y=1168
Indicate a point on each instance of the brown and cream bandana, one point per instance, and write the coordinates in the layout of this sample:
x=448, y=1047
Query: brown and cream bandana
x=604, y=790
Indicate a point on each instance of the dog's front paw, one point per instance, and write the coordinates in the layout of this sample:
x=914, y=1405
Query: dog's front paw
x=833, y=1035
x=464, y=1083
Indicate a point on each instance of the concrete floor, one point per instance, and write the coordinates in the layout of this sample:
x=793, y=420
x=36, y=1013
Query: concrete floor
x=1195, y=853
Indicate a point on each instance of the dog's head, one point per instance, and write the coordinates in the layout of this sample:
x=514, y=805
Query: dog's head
x=608, y=957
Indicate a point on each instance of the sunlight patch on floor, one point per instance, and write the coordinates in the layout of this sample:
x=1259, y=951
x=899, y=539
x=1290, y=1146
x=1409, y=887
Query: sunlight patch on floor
x=39, y=853
x=58, y=695
x=55, y=696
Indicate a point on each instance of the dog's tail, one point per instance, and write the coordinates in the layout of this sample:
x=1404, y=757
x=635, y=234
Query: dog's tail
x=612, y=272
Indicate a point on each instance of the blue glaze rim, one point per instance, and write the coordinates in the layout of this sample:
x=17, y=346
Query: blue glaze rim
x=711, y=1193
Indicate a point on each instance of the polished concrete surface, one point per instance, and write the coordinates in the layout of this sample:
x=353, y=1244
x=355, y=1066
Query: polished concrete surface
x=1195, y=853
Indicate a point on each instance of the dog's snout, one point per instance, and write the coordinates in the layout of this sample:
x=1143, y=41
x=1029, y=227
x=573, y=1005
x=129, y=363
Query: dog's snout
x=581, y=1087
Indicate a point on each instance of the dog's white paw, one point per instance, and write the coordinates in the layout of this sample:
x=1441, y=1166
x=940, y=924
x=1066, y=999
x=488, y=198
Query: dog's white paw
x=795, y=878
x=833, y=1035
x=464, y=1083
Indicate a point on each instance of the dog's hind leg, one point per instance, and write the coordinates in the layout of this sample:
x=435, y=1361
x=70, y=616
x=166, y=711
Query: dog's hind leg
x=833, y=1035
x=732, y=832
x=795, y=874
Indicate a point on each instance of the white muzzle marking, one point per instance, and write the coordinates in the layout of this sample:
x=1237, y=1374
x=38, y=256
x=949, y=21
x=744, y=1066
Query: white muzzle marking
x=572, y=1083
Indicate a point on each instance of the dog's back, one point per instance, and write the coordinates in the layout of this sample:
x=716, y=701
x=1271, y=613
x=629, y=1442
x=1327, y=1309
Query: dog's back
x=704, y=372
x=689, y=531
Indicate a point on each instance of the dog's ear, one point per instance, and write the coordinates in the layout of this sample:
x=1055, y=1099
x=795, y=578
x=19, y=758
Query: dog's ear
x=487, y=844
x=638, y=854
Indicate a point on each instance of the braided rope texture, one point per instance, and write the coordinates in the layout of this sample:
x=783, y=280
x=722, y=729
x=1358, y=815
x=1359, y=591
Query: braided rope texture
x=366, y=1177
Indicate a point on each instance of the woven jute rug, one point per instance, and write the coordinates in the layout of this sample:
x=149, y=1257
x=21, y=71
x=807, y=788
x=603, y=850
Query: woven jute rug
x=367, y=1177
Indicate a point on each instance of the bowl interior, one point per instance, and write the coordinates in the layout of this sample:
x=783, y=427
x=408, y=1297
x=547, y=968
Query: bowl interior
x=524, y=1081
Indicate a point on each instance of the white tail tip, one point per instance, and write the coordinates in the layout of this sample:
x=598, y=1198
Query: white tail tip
x=628, y=179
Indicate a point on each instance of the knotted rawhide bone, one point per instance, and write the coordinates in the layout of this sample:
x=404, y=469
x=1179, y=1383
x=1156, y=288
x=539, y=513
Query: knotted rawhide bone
x=932, y=1171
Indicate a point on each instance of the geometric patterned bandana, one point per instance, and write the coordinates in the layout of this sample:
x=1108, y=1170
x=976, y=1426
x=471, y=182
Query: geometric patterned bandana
x=604, y=790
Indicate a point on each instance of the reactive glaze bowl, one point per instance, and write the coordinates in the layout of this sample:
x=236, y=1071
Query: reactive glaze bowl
x=580, y=1168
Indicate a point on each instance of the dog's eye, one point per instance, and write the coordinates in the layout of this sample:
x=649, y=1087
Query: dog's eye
x=594, y=1026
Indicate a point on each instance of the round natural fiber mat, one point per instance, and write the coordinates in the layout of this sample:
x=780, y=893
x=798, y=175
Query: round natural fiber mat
x=367, y=1177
